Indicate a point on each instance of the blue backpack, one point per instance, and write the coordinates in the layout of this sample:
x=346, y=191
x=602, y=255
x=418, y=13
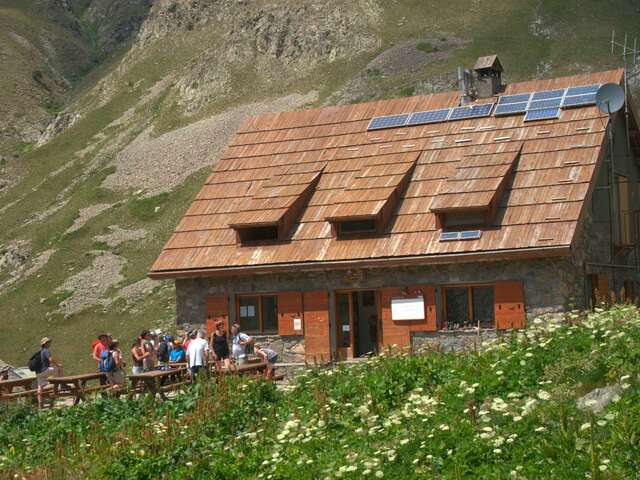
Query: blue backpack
x=107, y=362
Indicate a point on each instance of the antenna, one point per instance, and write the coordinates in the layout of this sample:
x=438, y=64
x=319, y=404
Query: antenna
x=610, y=98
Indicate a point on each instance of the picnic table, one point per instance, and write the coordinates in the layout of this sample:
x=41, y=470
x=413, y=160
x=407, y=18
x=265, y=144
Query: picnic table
x=78, y=384
x=7, y=386
x=157, y=382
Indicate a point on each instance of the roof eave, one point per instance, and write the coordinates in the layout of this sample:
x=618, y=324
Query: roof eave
x=512, y=254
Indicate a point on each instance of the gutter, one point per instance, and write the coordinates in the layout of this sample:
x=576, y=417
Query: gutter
x=511, y=254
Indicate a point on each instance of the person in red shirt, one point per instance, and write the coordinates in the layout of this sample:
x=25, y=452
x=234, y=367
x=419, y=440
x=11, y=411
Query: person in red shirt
x=103, y=343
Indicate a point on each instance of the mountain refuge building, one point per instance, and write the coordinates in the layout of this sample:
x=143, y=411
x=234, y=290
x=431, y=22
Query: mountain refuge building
x=333, y=232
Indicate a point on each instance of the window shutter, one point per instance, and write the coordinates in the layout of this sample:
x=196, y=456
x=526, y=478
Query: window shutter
x=289, y=309
x=393, y=333
x=317, y=342
x=216, y=308
x=430, y=323
x=509, y=305
x=602, y=286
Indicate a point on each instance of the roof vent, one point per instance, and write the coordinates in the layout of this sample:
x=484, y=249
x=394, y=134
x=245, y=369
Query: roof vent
x=488, y=76
x=465, y=81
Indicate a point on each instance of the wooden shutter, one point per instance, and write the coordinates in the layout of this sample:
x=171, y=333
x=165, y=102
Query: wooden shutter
x=289, y=308
x=429, y=324
x=393, y=333
x=602, y=287
x=317, y=341
x=216, y=308
x=509, y=305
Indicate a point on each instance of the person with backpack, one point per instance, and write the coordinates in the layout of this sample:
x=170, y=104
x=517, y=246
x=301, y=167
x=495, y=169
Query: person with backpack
x=163, y=352
x=149, y=349
x=112, y=364
x=44, y=366
x=98, y=347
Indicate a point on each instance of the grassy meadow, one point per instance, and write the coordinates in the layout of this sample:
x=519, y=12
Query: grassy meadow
x=505, y=412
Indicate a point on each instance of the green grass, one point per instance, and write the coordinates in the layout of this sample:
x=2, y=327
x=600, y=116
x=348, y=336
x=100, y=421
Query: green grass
x=508, y=411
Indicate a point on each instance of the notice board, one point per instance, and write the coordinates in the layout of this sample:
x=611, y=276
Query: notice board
x=407, y=308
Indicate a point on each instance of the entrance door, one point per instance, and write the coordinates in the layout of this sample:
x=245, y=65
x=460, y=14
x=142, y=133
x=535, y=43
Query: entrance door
x=357, y=323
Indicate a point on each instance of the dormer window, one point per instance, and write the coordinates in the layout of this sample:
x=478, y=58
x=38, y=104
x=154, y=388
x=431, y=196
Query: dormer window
x=467, y=218
x=257, y=234
x=276, y=204
x=471, y=196
x=355, y=227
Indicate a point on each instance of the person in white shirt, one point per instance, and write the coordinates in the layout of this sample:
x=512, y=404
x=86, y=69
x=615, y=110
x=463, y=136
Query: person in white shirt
x=239, y=344
x=197, y=353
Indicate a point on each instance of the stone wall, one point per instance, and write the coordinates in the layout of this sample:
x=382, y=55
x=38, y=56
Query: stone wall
x=550, y=283
x=451, y=341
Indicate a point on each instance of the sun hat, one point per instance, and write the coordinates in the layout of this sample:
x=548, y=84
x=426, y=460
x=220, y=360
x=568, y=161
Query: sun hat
x=44, y=341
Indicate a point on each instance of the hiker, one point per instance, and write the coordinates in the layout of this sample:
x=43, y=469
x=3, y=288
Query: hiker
x=45, y=366
x=191, y=335
x=112, y=364
x=98, y=347
x=163, y=352
x=149, y=360
x=197, y=354
x=268, y=356
x=177, y=355
x=138, y=355
x=220, y=346
x=240, y=342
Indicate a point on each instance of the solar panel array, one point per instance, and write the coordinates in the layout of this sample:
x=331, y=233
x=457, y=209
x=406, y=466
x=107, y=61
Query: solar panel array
x=541, y=105
x=464, y=235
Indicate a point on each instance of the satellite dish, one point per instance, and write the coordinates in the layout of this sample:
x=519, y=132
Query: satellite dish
x=610, y=98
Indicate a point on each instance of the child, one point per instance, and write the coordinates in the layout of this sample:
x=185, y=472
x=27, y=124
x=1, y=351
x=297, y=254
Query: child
x=268, y=356
x=177, y=355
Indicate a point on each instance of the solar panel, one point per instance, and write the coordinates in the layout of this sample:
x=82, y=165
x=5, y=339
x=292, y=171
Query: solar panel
x=582, y=90
x=520, y=97
x=390, y=121
x=542, y=114
x=475, y=111
x=538, y=104
x=449, y=236
x=547, y=94
x=578, y=100
x=432, y=116
x=510, y=108
x=470, y=235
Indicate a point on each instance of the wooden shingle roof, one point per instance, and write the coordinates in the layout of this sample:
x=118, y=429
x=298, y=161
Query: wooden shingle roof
x=273, y=157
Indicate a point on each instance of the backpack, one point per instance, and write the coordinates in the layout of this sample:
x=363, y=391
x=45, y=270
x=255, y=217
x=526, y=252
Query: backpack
x=35, y=362
x=107, y=362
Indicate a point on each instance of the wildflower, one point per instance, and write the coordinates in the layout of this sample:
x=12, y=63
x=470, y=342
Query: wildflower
x=497, y=451
x=379, y=474
x=625, y=377
x=602, y=468
x=601, y=423
x=189, y=464
x=625, y=386
x=544, y=395
x=585, y=426
x=541, y=429
x=404, y=441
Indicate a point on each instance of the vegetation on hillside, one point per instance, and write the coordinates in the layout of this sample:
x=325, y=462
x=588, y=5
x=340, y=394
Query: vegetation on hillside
x=508, y=411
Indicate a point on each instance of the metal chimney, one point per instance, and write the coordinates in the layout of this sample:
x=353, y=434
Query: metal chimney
x=464, y=84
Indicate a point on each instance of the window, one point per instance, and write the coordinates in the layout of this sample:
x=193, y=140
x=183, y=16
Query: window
x=464, y=219
x=259, y=314
x=258, y=234
x=625, y=215
x=350, y=227
x=468, y=306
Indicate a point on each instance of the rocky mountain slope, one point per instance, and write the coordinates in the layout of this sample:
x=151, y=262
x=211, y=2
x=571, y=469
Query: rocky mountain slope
x=104, y=148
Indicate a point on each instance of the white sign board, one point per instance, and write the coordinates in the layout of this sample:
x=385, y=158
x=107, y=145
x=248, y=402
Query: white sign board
x=407, y=308
x=297, y=324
